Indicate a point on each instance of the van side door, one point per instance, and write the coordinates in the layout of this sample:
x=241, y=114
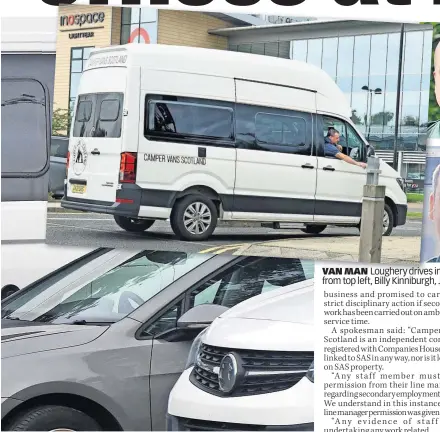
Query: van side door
x=186, y=137
x=276, y=165
x=339, y=184
x=25, y=145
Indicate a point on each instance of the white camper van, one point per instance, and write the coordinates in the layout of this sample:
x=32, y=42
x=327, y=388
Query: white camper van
x=196, y=136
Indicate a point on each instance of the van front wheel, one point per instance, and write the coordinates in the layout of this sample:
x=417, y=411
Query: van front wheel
x=132, y=224
x=194, y=218
x=314, y=229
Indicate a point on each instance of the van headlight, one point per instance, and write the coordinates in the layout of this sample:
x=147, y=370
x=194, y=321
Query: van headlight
x=194, y=351
x=401, y=183
x=311, y=372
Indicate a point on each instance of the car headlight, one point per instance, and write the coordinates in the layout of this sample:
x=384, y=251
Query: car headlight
x=193, y=352
x=311, y=372
x=401, y=183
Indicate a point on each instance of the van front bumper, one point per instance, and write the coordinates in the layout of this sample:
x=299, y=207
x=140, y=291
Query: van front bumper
x=402, y=210
x=190, y=408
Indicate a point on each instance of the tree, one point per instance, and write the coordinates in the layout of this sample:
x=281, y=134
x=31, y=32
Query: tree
x=382, y=118
x=61, y=120
x=410, y=120
x=355, y=118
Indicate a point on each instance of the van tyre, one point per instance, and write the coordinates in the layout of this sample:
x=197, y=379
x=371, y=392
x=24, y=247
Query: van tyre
x=53, y=417
x=314, y=229
x=194, y=218
x=388, y=220
x=133, y=224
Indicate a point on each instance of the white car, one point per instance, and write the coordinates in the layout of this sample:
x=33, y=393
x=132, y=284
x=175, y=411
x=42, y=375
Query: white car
x=252, y=369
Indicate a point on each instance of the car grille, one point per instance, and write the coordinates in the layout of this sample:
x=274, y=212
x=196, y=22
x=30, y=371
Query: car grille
x=285, y=368
x=204, y=425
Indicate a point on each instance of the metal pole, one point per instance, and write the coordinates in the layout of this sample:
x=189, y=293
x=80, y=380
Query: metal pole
x=399, y=91
x=369, y=115
x=370, y=243
x=366, y=114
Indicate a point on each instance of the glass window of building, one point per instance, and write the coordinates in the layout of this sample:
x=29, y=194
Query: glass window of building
x=139, y=25
x=78, y=60
x=330, y=56
x=314, y=52
x=299, y=50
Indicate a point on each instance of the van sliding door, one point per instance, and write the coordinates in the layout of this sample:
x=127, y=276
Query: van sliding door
x=276, y=166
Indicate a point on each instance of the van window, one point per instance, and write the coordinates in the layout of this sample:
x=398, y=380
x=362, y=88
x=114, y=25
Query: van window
x=188, y=120
x=272, y=129
x=99, y=115
x=351, y=142
x=24, y=141
x=280, y=130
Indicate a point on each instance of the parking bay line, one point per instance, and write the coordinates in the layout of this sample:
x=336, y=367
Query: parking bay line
x=220, y=247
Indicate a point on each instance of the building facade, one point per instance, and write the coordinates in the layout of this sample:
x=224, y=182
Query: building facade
x=363, y=59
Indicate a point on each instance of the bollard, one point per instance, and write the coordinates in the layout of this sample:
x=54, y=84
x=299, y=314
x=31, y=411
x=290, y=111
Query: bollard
x=373, y=205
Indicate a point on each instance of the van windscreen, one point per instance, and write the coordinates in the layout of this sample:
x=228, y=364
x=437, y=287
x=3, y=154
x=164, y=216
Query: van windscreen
x=98, y=115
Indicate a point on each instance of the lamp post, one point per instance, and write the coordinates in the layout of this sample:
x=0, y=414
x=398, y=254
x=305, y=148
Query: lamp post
x=370, y=93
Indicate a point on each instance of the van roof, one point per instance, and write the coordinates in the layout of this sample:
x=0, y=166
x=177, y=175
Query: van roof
x=260, y=68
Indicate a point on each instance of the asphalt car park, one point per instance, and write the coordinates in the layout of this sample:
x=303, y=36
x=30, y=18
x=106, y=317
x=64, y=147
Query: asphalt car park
x=85, y=229
x=99, y=343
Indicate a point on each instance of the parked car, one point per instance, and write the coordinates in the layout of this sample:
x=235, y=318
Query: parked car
x=96, y=345
x=59, y=148
x=257, y=377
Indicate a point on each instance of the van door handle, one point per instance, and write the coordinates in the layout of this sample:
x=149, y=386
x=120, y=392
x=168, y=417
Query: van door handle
x=95, y=152
x=308, y=166
x=328, y=168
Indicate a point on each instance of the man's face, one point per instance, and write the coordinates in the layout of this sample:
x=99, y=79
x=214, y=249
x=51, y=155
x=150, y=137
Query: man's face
x=434, y=208
x=335, y=138
x=437, y=73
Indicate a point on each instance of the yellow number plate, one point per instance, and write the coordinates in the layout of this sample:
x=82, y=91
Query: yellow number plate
x=79, y=189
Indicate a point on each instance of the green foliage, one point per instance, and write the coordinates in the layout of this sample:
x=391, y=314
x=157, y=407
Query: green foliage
x=61, y=119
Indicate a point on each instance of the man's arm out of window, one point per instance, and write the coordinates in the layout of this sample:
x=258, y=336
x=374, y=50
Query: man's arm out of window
x=349, y=160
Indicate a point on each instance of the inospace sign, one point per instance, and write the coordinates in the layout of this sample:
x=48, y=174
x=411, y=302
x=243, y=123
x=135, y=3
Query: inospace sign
x=82, y=22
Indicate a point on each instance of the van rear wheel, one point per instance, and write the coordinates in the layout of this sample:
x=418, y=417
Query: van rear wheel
x=194, y=218
x=132, y=224
x=314, y=229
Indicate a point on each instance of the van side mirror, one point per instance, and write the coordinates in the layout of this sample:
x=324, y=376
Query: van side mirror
x=9, y=290
x=371, y=152
x=200, y=317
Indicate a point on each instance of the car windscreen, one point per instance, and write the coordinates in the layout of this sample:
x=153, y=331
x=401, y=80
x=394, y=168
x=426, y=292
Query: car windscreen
x=108, y=297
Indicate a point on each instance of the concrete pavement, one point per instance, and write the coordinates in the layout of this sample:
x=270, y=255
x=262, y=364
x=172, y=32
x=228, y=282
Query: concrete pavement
x=395, y=250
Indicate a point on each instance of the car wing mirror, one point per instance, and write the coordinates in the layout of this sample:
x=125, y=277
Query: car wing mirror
x=9, y=290
x=371, y=152
x=200, y=317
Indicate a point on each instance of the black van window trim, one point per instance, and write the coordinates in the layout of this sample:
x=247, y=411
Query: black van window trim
x=45, y=169
x=151, y=135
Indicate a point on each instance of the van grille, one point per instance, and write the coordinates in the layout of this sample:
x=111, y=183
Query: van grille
x=284, y=370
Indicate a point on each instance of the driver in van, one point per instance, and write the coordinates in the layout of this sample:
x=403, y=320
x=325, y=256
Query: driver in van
x=434, y=207
x=332, y=148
